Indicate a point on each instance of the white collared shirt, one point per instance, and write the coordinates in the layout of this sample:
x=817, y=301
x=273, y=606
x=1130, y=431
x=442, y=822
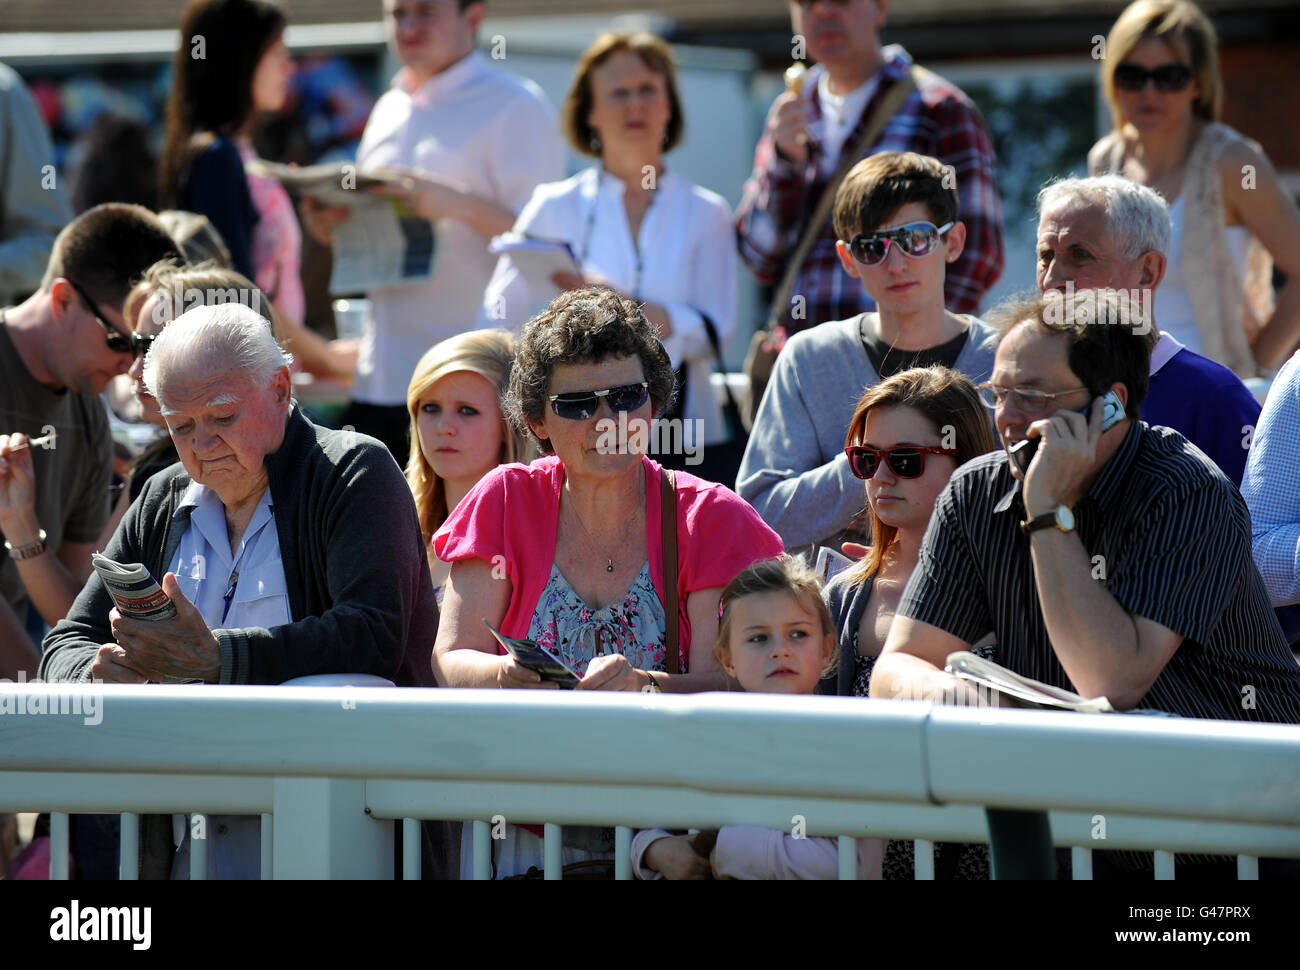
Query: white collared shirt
x=684, y=258
x=204, y=565
x=486, y=132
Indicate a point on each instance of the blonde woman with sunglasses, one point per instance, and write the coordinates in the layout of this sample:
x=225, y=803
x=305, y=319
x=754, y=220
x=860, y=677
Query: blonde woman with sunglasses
x=1232, y=217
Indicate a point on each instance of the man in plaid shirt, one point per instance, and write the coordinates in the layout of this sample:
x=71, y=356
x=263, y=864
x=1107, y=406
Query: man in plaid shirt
x=800, y=148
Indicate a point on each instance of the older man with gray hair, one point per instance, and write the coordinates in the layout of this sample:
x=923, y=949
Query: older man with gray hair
x=265, y=536
x=1109, y=232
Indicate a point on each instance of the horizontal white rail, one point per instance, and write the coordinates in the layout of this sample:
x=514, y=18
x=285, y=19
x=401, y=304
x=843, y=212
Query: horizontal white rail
x=847, y=766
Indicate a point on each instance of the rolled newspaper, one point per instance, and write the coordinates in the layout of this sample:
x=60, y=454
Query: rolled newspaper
x=136, y=593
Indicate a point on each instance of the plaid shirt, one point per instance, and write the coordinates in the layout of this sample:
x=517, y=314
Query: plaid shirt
x=937, y=119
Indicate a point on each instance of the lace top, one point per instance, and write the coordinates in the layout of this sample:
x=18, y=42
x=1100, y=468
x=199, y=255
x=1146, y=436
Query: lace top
x=574, y=632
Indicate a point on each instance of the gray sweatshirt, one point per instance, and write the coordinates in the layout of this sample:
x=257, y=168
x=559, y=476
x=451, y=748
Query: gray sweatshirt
x=794, y=472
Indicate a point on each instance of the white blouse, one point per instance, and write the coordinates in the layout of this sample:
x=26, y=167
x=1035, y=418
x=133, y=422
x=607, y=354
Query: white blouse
x=684, y=258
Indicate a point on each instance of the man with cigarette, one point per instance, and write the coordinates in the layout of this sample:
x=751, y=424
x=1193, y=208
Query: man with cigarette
x=58, y=350
x=859, y=99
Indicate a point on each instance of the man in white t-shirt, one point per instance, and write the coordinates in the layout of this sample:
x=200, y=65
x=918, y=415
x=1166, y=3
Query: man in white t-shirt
x=477, y=141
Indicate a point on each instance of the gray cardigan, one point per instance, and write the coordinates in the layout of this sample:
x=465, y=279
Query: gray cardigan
x=794, y=471
x=354, y=566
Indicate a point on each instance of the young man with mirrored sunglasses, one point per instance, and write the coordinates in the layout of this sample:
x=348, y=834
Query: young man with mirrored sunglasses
x=896, y=218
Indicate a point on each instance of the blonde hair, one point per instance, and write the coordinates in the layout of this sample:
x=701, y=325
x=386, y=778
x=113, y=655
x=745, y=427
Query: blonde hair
x=1185, y=28
x=206, y=284
x=784, y=574
x=488, y=353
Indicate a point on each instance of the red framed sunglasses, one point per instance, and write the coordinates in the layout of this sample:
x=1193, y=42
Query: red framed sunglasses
x=905, y=461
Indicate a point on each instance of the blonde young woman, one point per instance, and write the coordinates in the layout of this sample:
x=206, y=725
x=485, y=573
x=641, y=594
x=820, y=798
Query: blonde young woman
x=1232, y=217
x=458, y=433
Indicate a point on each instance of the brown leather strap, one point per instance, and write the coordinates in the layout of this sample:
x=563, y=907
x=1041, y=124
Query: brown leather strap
x=853, y=151
x=668, y=517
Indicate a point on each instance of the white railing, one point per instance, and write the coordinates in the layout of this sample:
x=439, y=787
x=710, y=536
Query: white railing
x=329, y=769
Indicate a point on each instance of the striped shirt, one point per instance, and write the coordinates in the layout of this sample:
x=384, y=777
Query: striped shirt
x=1169, y=536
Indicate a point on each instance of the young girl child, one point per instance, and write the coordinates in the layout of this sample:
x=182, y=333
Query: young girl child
x=457, y=431
x=775, y=636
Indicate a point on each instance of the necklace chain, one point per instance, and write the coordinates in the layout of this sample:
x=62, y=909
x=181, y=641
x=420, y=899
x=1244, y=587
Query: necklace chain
x=609, y=561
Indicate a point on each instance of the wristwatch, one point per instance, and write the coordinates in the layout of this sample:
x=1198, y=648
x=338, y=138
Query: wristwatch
x=1061, y=517
x=29, y=551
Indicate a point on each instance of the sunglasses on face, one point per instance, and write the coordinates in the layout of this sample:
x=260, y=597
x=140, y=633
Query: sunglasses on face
x=916, y=239
x=1027, y=400
x=905, y=461
x=1167, y=77
x=582, y=405
x=118, y=343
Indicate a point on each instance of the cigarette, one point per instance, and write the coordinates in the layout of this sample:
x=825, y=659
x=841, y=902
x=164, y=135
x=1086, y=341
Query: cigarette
x=35, y=443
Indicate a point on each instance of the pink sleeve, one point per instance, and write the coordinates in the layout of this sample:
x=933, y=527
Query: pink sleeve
x=721, y=535
x=508, y=520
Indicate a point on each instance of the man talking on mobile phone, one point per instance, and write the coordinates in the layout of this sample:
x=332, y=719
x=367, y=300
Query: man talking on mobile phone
x=1119, y=565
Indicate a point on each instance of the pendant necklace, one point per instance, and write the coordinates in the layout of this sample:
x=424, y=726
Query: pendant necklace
x=609, y=562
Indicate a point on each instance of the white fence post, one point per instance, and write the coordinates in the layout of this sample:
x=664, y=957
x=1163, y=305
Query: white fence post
x=322, y=831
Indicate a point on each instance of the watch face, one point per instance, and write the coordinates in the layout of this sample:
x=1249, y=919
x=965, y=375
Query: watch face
x=1064, y=518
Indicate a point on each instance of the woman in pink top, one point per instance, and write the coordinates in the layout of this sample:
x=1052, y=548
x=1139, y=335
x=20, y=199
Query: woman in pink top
x=568, y=551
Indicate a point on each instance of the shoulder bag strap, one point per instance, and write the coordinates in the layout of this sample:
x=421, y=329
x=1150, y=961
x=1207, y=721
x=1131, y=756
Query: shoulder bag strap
x=850, y=155
x=668, y=517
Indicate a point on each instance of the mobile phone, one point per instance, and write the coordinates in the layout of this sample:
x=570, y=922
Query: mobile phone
x=1022, y=452
x=534, y=656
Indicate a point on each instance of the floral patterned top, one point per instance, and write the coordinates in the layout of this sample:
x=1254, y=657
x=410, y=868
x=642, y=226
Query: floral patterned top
x=636, y=627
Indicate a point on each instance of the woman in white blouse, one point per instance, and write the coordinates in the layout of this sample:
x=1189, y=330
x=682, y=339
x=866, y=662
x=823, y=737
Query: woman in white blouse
x=633, y=223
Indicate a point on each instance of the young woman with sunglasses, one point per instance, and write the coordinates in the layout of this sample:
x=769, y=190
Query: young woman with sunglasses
x=568, y=551
x=1232, y=217
x=908, y=434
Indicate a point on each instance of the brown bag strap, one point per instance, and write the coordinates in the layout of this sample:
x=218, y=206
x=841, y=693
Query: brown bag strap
x=850, y=155
x=668, y=518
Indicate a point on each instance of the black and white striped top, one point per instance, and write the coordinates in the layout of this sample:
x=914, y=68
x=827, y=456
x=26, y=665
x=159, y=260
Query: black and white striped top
x=1169, y=536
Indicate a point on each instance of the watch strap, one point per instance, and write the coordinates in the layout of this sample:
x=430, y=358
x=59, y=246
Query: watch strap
x=29, y=551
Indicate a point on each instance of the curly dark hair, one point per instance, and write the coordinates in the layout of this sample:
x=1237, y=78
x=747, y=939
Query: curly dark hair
x=583, y=327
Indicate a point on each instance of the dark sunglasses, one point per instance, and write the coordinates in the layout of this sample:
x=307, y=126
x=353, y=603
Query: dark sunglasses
x=118, y=343
x=905, y=461
x=581, y=405
x=1168, y=77
x=917, y=239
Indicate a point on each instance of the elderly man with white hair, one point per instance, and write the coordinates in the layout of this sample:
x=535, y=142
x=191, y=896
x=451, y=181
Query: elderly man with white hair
x=1107, y=232
x=265, y=536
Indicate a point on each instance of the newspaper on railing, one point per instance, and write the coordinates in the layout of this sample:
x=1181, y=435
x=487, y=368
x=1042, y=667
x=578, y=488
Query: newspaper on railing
x=966, y=666
x=381, y=243
x=136, y=593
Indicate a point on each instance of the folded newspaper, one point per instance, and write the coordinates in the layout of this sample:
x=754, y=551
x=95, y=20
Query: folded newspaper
x=137, y=595
x=381, y=243
x=536, y=259
x=966, y=666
